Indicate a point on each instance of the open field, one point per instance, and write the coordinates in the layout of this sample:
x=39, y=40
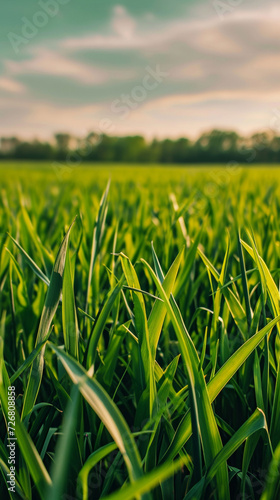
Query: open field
x=140, y=370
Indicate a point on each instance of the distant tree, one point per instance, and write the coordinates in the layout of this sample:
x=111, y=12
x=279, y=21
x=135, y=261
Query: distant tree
x=8, y=145
x=182, y=150
x=217, y=145
x=152, y=152
x=275, y=149
x=105, y=149
x=130, y=149
x=34, y=151
x=261, y=145
x=93, y=138
x=214, y=146
x=62, y=143
x=167, y=151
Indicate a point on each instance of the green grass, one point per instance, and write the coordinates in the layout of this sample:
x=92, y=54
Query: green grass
x=143, y=339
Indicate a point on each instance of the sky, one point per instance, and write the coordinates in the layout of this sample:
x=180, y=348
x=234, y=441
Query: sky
x=155, y=68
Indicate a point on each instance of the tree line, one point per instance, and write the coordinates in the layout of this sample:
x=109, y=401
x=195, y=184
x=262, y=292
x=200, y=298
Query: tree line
x=216, y=146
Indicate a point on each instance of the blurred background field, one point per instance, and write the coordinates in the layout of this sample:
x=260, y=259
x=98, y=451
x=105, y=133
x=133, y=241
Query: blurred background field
x=212, y=197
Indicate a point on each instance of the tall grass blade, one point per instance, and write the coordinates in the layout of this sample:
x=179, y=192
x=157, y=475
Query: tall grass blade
x=203, y=416
x=51, y=303
x=107, y=411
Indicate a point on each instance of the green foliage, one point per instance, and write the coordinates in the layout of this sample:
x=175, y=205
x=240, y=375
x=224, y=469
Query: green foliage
x=214, y=146
x=141, y=370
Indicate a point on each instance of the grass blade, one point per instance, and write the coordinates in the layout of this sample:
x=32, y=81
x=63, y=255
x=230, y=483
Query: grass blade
x=107, y=411
x=203, y=415
x=69, y=314
x=219, y=381
x=51, y=303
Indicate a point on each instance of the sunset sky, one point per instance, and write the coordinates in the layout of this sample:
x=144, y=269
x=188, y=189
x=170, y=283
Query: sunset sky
x=91, y=66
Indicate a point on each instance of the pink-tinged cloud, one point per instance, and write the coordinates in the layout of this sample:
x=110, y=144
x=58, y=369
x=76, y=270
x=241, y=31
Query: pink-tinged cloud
x=126, y=33
x=220, y=74
x=47, y=62
x=11, y=86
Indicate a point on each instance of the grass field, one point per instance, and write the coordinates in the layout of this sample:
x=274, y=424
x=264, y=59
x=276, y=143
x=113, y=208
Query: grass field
x=140, y=370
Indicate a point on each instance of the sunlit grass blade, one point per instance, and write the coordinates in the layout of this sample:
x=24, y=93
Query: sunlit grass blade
x=31, y=262
x=203, y=417
x=146, y=361
x=69, y=314
x=158, y=313
x=91, y=461
x=51, y=303
x=266, y=276
x=107, y=411
x=148, y=482
x=244, y=281
x=254, y=423
x=234, y=305
x=46, y=258
x=188, y=265
x=97, y=238
x=219, y=381
x=27, y=362
x=100, y=322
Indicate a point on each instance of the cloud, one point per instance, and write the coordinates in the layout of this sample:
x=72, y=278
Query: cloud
x=127, y=33
x=190, y=71
x=180, y=115
x=121, y=34
x=37, y=118
x=47, y=62
x=261, y=71
x=214, y=40
x=221, y=73
x=180, y=101
x=11, y=86
x=122, y=23
x=166, y=116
